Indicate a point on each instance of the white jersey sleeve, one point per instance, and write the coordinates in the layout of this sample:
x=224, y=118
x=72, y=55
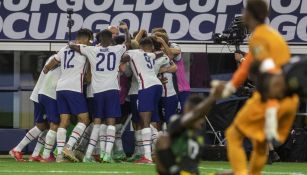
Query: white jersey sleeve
x=38, y=85
x=160, y=62
x=174, y=45
x=50, y=81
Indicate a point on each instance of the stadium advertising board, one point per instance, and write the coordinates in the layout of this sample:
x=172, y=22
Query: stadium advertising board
x=185, y=20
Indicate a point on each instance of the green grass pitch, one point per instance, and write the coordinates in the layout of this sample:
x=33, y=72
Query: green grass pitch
x=10, y=166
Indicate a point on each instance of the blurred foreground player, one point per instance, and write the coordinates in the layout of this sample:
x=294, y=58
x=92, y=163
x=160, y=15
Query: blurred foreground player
x=179, y=150
x=265, y=117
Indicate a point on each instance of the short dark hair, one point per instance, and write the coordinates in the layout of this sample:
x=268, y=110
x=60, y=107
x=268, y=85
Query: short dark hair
x=146, y=42
x=156, y=44
x=194, y=100
x=104, y=35
x=258, y=9
x=85, y=33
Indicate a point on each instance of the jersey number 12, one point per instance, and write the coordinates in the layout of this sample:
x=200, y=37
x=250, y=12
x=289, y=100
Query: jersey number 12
x=68, y=56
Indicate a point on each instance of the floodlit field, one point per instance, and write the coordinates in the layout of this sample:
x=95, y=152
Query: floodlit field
x=9, y=166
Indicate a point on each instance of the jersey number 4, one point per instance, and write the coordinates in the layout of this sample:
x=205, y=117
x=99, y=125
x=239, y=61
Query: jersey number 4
x=68, y=56
x=111, y=59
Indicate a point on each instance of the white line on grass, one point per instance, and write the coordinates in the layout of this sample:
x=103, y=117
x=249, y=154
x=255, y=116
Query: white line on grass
x=61, y=171
x=263, y=172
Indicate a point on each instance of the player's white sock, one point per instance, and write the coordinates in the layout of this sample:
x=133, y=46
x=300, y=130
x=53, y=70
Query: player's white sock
x=61, y=139
x=29, y=137
x=146, y=139
x=75, y=135
x=154, y=136
x=85, y=138
x=110, y=139
x=97, y=149
x=138, y=142
x=103, y=137
x=40, y=144
x=118, y=138
x=93, y=141
x=49, y=143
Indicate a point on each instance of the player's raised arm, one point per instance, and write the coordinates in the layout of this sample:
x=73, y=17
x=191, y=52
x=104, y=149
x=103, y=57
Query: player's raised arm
x=140, y=35
x=202, y=109
x=170, y=69
x=124, y=27
x=51, y=65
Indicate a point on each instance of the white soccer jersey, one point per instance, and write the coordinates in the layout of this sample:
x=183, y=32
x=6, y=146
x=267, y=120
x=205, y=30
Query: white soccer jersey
x=50, y=81
x=142, y=65
x=168, y=88
x=73, y=66
x=104, y=66
x=174, y=45
x=38, y=85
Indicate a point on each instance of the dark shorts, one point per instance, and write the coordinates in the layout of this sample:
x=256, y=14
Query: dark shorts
x=107, y=104
x=39, y=113
x=70, y=102
x=169, y=107
x=134, y=108
x=148, y=101
x=50, y=108
x=183, y=96
x=90, y=106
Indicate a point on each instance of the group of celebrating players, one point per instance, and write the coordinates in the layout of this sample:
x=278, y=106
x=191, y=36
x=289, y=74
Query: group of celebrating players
x=148, y=65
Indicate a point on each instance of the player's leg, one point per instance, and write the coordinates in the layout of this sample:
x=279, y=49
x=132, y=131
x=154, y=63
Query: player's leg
x=112, y=112
x=32, y=134
x=165, y=159
x=82, y=145
x=35, y=156
x=61, y=135
x=183, y=96
x=93, y=141
x=78, y=106
x=170, y=105
x=258, y=157
x=49, y=142
x=235, y=150
x=102, y=139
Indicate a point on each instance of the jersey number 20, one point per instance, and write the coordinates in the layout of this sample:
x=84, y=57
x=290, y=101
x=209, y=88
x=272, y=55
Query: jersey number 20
x=68, y=56
x=111, y=59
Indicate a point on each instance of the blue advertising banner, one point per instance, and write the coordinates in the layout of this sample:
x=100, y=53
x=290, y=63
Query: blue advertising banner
x=185, y=20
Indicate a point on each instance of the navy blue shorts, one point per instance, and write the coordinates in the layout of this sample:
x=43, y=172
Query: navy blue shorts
x=169, y=107
x=50, y=107
x=39, y=113
x=134, y=108
x=107, y=104
x=183, y=96
x=148, y=101
x=70, y=102
x=90, y=106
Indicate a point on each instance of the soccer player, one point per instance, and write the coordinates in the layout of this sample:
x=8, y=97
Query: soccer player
x=179, y=150
x=47, y=100
x=149, y=90
x=263, y=118
x=173, y=50
x=39, y=111
x=70, y=98
x=105, y=61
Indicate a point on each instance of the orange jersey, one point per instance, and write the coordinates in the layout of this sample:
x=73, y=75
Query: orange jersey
x=264, y=43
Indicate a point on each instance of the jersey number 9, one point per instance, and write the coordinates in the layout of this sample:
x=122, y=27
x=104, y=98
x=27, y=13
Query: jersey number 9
x=111, y=59
x=149, y=61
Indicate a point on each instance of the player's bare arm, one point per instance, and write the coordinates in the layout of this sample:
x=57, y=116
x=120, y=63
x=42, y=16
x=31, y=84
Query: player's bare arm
x=166, y=48
x=124, y=27
x=202, y=109
x=168, y=69
x=140, y=35
x=74, y=47
x=51, y=65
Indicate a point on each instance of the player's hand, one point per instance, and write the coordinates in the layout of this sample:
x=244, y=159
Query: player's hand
x=227, y=88
x=123, y=25
x=271, y=125
x=160, y=40
x=216, y=90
